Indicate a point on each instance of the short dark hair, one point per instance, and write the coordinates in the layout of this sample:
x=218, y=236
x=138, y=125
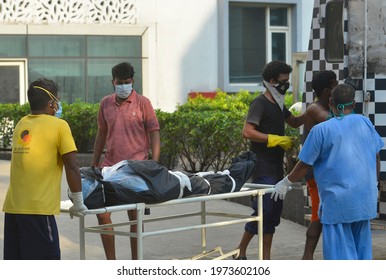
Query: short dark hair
x=38, y=98
x=342, y=94
x=122, y=71
x=322, y=80
x=273, y=70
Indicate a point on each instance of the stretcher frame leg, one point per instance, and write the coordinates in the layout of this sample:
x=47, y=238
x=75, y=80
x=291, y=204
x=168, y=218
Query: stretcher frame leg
x=140, y=212
x=260, y=226
x=203, y=230
x=82, y=239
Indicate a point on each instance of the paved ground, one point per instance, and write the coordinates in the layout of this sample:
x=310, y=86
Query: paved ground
x=288, y=242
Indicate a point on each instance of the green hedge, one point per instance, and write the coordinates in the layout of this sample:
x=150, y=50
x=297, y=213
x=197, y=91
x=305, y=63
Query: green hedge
x=202, y=134
x=10, y=115
x=82, y=118
x=201, y=140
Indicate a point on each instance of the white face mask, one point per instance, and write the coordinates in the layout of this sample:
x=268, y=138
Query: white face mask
x=279, y=98
x=124, y=91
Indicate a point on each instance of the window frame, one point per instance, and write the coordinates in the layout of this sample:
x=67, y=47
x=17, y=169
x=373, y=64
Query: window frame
x=22, y=65
x=224, y=61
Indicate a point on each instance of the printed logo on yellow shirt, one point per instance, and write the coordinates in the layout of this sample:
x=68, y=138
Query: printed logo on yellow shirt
x=25, y=137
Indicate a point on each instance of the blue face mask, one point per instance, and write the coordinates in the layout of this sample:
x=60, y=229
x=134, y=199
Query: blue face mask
x=123, y=91
x=58, y=113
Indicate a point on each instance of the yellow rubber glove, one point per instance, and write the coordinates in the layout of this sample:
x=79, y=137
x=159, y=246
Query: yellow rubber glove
x=275, y=140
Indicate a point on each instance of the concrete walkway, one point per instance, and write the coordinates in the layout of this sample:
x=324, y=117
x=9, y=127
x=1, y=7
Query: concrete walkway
x=288, y=243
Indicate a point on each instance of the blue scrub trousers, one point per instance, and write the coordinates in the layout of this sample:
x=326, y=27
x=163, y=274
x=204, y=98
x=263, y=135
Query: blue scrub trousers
x=348, y=241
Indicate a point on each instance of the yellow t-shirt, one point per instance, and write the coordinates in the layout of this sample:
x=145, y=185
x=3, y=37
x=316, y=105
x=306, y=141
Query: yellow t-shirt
x=36, y=165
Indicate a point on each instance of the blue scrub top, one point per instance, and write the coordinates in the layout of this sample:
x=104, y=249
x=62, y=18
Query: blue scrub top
x=343, y=152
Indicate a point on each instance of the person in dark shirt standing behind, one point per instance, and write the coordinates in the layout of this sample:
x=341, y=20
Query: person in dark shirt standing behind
x=264, y=127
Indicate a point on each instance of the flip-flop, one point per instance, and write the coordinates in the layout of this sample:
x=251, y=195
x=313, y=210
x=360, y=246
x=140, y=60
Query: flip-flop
x=235, y=257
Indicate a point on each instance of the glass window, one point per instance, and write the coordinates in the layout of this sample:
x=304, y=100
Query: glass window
x=334, y=32
x=13, y=46
x=99, y=79
x=247, y=41
x=54, y=46
x=83, y=71
x=68, y=73
x=138, y=81
x=252, y=43
x=279, y=46
x=278, y=17
x=114, y=46
x=9, y=80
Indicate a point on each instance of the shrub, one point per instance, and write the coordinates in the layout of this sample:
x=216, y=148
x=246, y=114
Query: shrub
x=82, y=119
x=203, y=140
x=222, y=102
x=169, y=151
x=204, y=133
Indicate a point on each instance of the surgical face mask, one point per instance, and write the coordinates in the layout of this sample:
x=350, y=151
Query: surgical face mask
x=282, y=87
x=124, y=91
x=58, y=112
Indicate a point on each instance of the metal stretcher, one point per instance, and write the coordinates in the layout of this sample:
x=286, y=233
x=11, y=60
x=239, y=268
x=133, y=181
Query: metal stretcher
x=248, y=189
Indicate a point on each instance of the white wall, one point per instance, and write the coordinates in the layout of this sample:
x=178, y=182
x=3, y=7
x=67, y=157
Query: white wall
x=307, y=10
x=182, y=40
x=182, y=45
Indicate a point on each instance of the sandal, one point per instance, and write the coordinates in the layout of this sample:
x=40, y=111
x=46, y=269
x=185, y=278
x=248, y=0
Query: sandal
x=236, y=257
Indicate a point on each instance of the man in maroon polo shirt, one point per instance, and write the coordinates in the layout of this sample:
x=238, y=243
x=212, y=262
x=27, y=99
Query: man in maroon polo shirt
x=128, y=128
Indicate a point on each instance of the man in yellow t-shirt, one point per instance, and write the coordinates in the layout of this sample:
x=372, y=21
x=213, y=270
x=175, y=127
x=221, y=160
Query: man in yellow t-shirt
x=41, y=145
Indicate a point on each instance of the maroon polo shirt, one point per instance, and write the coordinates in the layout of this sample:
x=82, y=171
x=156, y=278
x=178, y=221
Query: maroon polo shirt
x=128, y=127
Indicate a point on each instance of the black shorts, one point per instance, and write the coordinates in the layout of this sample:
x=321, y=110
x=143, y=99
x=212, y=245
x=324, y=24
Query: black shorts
x=271, y=209
x=30, y=237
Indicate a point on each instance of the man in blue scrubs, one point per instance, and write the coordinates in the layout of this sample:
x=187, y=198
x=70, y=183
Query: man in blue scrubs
x=344, y=154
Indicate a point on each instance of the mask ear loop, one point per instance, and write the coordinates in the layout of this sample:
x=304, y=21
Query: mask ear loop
x=340, y=108
x=48, y=92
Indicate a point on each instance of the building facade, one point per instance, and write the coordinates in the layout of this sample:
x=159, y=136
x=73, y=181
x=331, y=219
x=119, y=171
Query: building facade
x=176, y=47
